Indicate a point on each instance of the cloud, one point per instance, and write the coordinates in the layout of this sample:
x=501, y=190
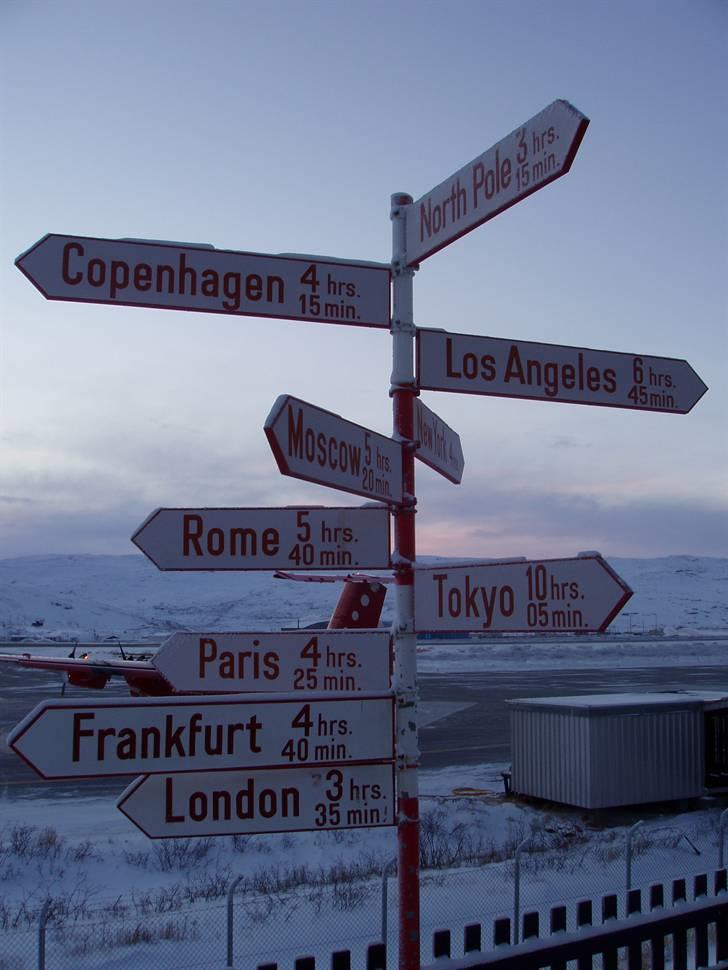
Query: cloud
x=494, y=521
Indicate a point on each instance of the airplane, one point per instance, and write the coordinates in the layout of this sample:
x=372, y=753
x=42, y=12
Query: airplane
x=359, y=606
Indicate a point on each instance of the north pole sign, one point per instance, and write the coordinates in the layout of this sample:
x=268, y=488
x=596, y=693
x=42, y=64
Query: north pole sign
x=332, y=661
x=183, y=276
x=582, y=595
x=246, y=803
x=249, y=539
x=537, y=153
x=469, y=364
x=65, y=739
x=320, y=446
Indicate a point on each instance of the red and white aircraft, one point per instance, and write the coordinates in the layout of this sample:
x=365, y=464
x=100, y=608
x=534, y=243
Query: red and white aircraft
x=359, y=607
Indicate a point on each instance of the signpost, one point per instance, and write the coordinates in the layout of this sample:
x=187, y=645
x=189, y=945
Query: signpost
x=64, y=739
x=285, y=538
x=205, y=761
x=548, y=596
x=437, y=444
x=530, y=157
x=470, y=364
x=320, y=446
x=184, y=276
x=330, y=661
x=246, y=803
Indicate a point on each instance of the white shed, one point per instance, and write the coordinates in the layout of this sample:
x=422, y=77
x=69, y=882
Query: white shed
x=605, y=750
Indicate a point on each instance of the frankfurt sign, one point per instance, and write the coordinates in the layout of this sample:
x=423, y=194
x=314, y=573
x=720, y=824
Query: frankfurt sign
x=184, y=276
x=469, y=364
x=246, y=803
x=548, y=596
x=284, y=538
x=320, y=446
x=530, y=157
x=139, y=735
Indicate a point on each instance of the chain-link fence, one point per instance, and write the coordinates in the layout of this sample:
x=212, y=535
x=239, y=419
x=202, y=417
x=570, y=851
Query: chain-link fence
x=466, y=878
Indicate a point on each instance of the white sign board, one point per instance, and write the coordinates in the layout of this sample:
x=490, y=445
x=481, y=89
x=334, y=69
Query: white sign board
x=65, y=739
x=469, y=364
x=330, y=661
x=320, y=446
x=184, y=276
x=583, y=594
x=530, y=157
x=246, y=803
x=283, y=538
x=437, y=444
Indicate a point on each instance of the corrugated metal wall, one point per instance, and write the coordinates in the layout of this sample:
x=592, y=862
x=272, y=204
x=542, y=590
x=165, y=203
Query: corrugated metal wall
x=601, y=758
x=650, y=757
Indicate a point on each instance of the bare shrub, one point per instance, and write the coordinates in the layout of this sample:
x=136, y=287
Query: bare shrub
x=83, y=851
x=21, y=838
x=240, y=843
x=171, y=854
x=209, y=885
x=139, y=858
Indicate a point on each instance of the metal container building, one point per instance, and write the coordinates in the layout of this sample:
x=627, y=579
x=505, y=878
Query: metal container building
x=606, y=750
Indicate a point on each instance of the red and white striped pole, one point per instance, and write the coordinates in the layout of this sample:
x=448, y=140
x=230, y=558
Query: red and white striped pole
x=403, y=392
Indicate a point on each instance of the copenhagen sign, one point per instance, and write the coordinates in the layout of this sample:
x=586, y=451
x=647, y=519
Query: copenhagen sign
x=284, y=538
x=184, y=276
x=247, y=803
x=320, y=446
x=330, y=661
x=139, y=735
x=495, y=366
x=583, y=595
x=537, y=153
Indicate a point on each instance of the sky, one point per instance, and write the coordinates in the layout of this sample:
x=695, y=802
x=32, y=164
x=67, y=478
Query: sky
x=286, y=127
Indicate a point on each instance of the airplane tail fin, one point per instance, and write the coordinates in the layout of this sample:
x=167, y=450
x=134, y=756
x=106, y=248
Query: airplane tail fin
x=359, y=605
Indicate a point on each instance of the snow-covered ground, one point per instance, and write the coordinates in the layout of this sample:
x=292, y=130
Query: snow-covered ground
x=91, y=597
x=125, y=903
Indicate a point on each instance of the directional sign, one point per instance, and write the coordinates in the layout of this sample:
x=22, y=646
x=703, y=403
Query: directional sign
x=284, y=538
x=549, y=596
x=328, y=660
x=65, y=739
x=550, y=372
x=246, y=803
x=320, y=446
x=437, y=444
x=530, y=157
x=184, y=276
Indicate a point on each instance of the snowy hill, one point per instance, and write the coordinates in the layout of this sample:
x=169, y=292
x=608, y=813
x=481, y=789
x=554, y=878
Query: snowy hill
x=92, y=597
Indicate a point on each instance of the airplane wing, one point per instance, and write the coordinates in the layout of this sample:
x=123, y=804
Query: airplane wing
x=141, y=676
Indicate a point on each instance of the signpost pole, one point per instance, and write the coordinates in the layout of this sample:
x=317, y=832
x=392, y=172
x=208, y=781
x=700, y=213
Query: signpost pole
x=403, y=392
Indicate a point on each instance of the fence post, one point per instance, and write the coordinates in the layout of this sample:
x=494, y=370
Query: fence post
x=42, y=922
x=233, y=886
x=517, y=889
x=723, y=822
x=630, y=835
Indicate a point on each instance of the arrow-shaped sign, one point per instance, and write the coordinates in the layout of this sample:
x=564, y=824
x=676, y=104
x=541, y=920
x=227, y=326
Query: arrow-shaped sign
x=320, y=446
x=284, y=538
x=470, y=364
x=66, y=739
x=184, y=276
x=530, y=157
x=437, y=444
x=245, y=803
x=547, y=596
x=332, y=661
